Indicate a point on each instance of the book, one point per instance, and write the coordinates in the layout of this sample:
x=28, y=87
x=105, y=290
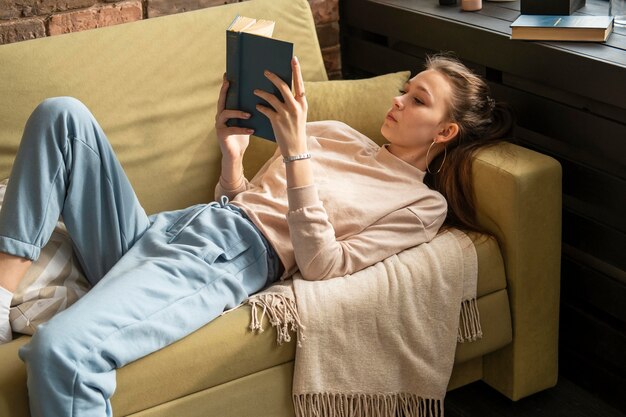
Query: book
x=562, y=28
x=250, y=50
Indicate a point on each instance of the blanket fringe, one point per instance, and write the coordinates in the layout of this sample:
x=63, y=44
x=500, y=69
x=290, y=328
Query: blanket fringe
x=326, y=404
x=282, y=314
x=469, y=323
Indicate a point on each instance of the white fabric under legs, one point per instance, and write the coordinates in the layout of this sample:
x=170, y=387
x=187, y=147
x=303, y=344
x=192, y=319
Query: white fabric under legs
x=5, y=325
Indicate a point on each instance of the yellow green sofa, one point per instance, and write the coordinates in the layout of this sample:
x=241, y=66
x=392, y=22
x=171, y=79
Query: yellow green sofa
x=153, y=86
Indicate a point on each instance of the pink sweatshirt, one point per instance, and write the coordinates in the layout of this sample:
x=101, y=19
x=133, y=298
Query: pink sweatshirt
x=366, y=205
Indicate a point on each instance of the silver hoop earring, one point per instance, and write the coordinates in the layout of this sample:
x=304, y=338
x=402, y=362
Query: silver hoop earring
x=445, y=150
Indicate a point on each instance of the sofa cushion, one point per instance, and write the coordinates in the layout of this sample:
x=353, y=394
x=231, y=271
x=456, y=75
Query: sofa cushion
x=266, y=393
x=361, y=104
x=13, y=393
x=152, y=85
x=335, y=100
x=225, y=350
x=52, y=283
x=491, y=275
x=495, y=321
x=221, y=351
x=202, y=400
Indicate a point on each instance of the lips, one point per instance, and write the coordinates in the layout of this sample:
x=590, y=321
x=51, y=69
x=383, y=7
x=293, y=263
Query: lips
x=390, y=117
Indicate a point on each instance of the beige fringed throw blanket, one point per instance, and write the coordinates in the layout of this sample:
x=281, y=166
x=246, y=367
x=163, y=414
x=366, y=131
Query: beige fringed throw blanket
x=379, y=342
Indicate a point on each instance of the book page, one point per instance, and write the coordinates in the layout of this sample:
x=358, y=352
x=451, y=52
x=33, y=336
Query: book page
x=262, y=28
x=240, y=23
x=259, y=27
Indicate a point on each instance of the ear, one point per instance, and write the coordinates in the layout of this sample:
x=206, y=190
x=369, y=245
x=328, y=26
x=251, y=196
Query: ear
x=448, y=132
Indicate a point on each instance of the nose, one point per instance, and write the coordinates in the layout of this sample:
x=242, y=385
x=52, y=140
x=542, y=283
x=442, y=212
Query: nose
x=397, y=102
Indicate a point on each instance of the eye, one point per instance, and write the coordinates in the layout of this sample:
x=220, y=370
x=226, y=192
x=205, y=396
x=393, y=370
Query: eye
x=415, y=99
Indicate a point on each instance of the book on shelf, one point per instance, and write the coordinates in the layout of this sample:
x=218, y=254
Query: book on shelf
x=562, y=28
x=250, y=50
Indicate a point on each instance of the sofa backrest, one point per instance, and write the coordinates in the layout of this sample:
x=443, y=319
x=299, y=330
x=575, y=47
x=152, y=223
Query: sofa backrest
x=153, y=86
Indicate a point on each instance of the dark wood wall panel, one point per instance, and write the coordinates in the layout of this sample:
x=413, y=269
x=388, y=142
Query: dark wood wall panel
x=371, y=58
x=572, y=98
x=595, y=194
x=581, y=286
x=594, y=238
x=586, y=135
x=604, y=381
x=570, y=103
x=593, y=338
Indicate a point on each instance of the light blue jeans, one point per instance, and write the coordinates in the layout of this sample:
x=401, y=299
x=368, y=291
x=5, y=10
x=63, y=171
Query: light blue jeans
x=156, y=279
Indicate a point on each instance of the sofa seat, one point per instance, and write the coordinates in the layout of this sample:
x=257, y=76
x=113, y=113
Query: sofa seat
x=225, y=351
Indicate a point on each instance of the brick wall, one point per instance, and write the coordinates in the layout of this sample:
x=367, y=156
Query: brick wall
x=29, y=19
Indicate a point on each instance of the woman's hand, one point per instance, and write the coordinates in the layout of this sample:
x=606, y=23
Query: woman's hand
x=233, y=140
x=288, y=118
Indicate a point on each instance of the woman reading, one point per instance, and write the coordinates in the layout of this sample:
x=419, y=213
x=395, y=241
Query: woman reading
x=330, y=202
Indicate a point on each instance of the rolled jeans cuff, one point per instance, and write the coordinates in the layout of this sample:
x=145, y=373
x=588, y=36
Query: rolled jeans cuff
x=18, y=248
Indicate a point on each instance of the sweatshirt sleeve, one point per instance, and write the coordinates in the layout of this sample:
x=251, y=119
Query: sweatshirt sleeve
x=319, y=255
x=221, y=190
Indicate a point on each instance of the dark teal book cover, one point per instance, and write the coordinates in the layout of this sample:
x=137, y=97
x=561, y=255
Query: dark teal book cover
x=247, y=56
x=549, y=21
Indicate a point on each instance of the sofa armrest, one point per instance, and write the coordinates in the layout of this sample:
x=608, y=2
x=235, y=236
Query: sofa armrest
x=518, y=198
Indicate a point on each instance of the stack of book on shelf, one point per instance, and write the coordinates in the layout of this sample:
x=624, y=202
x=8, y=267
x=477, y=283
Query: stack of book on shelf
x=562, y=28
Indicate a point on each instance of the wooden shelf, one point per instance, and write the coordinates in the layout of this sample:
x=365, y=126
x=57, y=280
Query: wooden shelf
x=594, y=70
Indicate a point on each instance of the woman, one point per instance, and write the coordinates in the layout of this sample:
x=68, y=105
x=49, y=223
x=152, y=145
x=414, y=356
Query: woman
x=330, y=202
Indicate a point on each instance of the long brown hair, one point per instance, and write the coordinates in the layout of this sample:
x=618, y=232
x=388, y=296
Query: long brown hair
x=482, y=122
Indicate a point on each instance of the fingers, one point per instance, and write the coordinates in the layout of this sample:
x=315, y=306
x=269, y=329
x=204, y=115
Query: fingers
x=265, y=111
x=224, y=115
x=221, y=101
x=284, y=89
x=230, y=131
x=270, y=98
x=298, y=81
x=299, y=101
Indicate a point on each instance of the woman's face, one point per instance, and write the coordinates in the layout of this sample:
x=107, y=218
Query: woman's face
x=419, y=114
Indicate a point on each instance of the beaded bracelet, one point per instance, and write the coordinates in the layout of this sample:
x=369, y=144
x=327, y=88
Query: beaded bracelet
x=296, y=157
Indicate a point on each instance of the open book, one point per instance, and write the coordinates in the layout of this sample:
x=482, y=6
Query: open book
x=250, y=50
